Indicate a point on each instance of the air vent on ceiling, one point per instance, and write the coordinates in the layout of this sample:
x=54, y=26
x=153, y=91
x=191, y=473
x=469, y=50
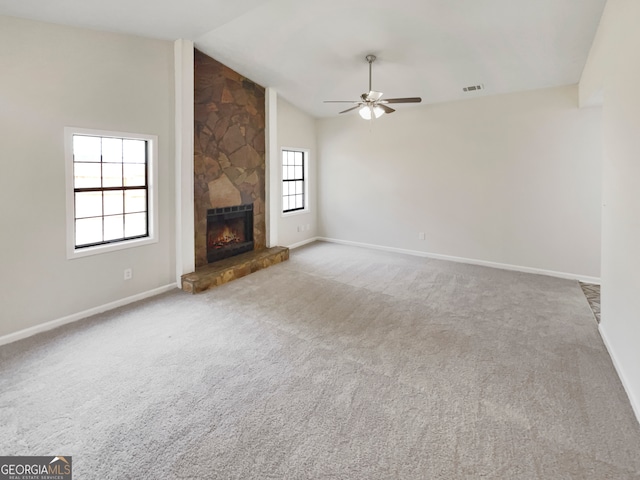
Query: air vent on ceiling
x=473, y=88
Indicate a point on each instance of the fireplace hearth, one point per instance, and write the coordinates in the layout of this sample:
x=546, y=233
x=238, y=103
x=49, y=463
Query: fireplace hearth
x=229, y=231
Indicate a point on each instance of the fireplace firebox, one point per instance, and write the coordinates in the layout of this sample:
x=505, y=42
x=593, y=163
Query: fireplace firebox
x=229, y=231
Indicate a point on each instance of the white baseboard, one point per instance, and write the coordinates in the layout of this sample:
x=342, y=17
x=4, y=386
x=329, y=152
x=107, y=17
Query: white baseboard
x=635, y=402
x=304, y=242
x=43, y=327
x=471, y=261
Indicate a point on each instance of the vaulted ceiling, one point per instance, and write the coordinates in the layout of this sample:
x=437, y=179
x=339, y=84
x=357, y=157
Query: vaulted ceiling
x=310, y=50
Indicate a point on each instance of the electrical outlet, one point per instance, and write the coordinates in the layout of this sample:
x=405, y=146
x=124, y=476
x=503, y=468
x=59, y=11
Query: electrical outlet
x=128, y=273
x=421, y=236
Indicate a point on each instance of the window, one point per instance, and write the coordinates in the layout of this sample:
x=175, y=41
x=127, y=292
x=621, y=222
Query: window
x=294, y=184
x=110, y=198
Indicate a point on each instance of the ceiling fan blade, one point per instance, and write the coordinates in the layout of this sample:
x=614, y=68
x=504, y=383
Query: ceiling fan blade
x=373, y=96
x=349, y=109
x=385, y=108
x=403, y=100
x=341, y=101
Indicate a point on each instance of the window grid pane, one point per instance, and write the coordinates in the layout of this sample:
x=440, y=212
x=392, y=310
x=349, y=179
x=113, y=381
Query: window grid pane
x=111, y=174
x=293, y=181
x=113, y=202
x=113, y=227
x=112, y=150
x=110, y=189
x=88, y=231
x=135, y=201
x=86, y=148
x=87, y=175
x=88, y=204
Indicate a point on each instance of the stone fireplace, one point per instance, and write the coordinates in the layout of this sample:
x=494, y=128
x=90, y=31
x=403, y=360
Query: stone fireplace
x=229, y=151
x=229, y=178
x=229, y=231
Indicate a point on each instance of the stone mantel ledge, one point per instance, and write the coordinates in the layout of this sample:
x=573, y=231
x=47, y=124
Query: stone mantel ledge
x=228, y=269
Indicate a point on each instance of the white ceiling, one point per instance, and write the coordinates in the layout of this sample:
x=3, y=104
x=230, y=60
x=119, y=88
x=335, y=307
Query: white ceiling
x=313, y=50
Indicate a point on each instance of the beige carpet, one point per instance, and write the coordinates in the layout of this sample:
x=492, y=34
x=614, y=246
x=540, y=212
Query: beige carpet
x=342, y=363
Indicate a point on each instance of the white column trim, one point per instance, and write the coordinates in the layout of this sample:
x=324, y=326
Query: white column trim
x=184, y=118
x=272, y=165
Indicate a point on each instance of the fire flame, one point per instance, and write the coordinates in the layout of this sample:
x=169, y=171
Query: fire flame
x=226, y=237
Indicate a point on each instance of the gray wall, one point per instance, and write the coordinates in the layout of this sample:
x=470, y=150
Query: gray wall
x=612, y=73
x=510, y=179
x=297, y=130
x=52, y=77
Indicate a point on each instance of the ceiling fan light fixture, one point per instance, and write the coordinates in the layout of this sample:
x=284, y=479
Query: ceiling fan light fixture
x=370, y=105
x=369, y=111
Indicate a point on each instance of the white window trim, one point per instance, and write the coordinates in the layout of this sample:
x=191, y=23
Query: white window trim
x=307, y=156
x=152, y=208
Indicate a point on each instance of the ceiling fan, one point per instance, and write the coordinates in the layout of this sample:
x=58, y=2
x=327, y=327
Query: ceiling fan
x=371, y=104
